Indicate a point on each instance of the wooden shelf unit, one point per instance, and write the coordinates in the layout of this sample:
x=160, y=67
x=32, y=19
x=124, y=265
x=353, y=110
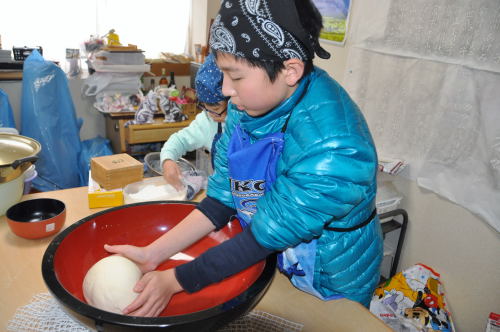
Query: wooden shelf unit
x=122, y=137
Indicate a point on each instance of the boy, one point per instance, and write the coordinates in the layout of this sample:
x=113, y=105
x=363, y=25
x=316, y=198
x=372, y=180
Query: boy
x=205, y=129
x=296, y=163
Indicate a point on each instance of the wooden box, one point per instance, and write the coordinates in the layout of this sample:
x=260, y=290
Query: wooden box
x=158, y=131
x=116, y=171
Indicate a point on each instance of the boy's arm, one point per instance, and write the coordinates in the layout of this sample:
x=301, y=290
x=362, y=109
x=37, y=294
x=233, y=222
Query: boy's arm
x=155, y=288
x=192, y=228
x=198, y=134
x=235, y=254
x=327, y=184
x=222, y=261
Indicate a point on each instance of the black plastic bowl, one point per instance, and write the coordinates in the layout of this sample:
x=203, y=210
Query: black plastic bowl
x=71, y=253
x=36, y=218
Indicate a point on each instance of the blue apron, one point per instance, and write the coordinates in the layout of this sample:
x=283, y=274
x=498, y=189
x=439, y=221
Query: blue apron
x=252, y=170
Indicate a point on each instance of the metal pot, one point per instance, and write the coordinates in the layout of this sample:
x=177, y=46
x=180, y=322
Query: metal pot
x=17, y=154
x=152, y=161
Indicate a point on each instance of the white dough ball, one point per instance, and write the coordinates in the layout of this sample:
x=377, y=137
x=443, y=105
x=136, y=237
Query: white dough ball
x=109, y=283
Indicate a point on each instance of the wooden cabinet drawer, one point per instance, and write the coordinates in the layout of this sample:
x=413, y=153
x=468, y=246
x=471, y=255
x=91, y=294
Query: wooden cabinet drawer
x=116, y=134
x=156, y=132
x=122, y=137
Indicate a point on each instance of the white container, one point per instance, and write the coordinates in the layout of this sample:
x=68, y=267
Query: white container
x=388, y=197
x=152, y=189
x=10, y=193
x=29, y=175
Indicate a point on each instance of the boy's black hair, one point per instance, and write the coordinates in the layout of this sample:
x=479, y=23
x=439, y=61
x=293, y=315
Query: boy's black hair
x=312, y=22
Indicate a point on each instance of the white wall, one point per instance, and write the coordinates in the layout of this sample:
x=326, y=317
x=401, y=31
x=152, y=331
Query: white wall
x=335, y=66
x=199, y=18
x=464, y=249
x=201, y=14
x=460, y=246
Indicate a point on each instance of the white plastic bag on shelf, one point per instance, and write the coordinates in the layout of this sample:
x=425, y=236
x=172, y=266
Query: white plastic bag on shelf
x=123, y=82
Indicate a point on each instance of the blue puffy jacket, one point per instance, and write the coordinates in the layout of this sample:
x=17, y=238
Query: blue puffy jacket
x=326, y=176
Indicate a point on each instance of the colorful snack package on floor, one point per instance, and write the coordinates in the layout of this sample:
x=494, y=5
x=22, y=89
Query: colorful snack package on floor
x=413, y=301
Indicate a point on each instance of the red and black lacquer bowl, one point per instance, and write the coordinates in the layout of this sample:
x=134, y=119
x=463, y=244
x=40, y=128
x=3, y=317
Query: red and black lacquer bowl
x=72, y=252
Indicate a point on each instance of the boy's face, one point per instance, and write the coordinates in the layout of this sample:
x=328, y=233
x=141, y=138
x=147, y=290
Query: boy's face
x=250, y=88
x=216, y=111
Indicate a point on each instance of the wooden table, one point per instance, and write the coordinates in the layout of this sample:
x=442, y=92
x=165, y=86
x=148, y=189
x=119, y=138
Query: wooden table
x=21, y=278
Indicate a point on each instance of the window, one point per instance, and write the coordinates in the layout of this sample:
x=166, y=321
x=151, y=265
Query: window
x=154, y=26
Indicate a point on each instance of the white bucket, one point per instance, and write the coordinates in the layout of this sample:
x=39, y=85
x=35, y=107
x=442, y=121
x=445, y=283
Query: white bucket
x=29, y=175
x=10, y=193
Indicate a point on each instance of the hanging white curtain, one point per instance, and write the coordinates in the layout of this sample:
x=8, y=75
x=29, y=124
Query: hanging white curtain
x=426, y=74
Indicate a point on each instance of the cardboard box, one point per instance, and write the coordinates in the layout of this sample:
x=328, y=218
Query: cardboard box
x=99, y=197
x=116, y=171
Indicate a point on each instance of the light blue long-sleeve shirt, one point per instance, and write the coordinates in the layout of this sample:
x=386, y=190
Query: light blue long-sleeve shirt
x=199, y=134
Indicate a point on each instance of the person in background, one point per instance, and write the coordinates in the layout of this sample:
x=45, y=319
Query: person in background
x=296, y=163
x=205, y=129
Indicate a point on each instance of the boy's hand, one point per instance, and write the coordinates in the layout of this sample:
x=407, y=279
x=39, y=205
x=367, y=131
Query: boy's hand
x=156, y=289
x=172, y=174
x=139, y=255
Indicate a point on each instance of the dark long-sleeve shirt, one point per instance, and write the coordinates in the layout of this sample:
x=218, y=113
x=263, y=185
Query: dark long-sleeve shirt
x=224, y=260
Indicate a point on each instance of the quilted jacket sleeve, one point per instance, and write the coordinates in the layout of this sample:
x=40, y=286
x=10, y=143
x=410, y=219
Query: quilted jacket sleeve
x=326, y=173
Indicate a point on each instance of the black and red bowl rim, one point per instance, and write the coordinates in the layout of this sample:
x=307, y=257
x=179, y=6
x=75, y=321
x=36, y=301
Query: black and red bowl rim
x=215, y=316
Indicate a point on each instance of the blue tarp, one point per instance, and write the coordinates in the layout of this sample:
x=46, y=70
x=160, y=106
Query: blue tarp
x=48, y=116
x=6, y=115
x=94, y=147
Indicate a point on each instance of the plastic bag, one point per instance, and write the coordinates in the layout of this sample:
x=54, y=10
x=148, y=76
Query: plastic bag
x=91, y=148
x=6, y=115
x=108, y=102
x=48, y=115
x=100, y=82
x=194, y=180
x=413, y=301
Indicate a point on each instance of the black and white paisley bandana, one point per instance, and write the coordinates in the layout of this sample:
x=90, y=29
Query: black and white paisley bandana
x=262, y=29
